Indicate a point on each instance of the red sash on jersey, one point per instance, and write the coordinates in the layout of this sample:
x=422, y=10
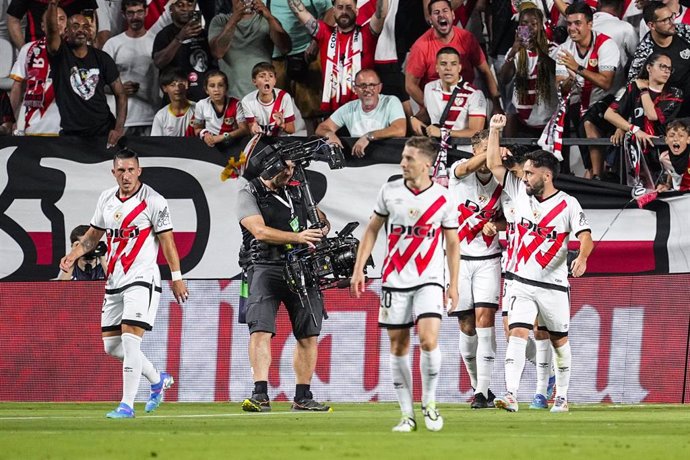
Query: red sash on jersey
x=524, y=109
x=273, y=129
x=463, y=12
x=469, y=233
x=592, y=66
x=36, y=96
x=543, y=258
x=229, y=116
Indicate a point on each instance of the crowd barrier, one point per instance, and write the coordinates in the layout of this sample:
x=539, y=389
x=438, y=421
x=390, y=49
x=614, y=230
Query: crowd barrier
x=629, y=337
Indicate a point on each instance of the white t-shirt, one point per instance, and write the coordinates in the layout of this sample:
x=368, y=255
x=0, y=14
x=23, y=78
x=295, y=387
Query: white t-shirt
x=39, y=114
x=477, y=204
x=205, y=114
x=414, y=228
x=133, y=59
x=358, y=122
x=255, y=110
x=533, y=112
x=131, y=227
x=621, y=32
x=167, y=123
x=542, y=232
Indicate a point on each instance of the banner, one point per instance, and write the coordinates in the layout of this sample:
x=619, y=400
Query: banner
x=628, y=346
x=49, y=186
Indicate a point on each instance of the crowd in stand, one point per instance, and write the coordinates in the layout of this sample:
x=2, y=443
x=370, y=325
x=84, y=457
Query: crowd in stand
x=368, y=69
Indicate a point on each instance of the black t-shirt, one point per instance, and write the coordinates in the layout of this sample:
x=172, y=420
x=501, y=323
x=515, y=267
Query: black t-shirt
x=33, y=9
x=629, y=106
x=503, y=27
x=679, y=52
x=193, y=58
x=80, y=89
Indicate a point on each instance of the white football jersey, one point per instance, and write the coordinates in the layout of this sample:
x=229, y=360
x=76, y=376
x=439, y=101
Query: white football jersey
x=218, y=123
x=167, y=123
x=414, y=228
x=477, y=204
x=265, y=114
x=542, y=232
x=508, y=209
x=131, y=227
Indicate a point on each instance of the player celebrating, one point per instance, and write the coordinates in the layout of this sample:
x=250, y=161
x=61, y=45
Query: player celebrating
x=545, y=217
x=416, y=212
x=478, y=197
x=135, y=219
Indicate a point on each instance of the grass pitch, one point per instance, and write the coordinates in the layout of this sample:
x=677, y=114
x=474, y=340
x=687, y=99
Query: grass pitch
x=352, y=431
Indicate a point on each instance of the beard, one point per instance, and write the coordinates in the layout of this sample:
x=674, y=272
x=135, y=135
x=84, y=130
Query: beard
x=536, y=190
x=345, y=20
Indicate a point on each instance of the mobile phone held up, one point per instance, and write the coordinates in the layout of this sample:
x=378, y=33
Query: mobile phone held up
x=524, y=34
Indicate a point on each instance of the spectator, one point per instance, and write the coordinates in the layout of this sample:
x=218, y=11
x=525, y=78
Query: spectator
x=606, y=21
x=450, y=103
x=4, y=31
x=345, y=49
x=131, y=50
x=243, y=39
x=211, y=127
x=421, y=63
x=33, y=10
x=268, y=110
x=111, y=22
x=175, y=119
x=676, y=160
x=89, y=267
x=370, y=118
x=184, y=44
x=532, y=70
x=33, y=93
x=501, y=29
x=6, y=115
x=647, y=104
x=80, y=75
x=681, y=15
x=671, y=39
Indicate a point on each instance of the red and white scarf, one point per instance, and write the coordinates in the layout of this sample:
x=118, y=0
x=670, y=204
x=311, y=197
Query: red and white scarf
x=341, y=67
x=551, y=138
x=39, y=94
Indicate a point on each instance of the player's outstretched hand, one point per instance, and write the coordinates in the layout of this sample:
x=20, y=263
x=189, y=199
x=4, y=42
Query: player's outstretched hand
x=180, y=291
x=66, y=263
x=357, y=284
x=498, y=121
x=578, y=267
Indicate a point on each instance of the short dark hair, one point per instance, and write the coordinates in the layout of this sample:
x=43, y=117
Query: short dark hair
x=544, y=159
x=580, y=8
x=262, y=67
x=425, y=145
x=125, y=154
x=78, y=232
x=216, y=73
x=447, y=50
x=651, y=60
x=127, y=3
x=436, y=1
x=479, y=136
x=679, y=123
x=170, y=75
x=615, y=4
x=649, y=11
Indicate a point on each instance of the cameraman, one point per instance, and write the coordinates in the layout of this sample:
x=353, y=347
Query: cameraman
x=273, y=219
x=90, y=266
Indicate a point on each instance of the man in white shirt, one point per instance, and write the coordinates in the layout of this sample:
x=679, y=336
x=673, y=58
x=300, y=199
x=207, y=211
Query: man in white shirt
x=370, y=118
x=131, y=51
x=606, y=21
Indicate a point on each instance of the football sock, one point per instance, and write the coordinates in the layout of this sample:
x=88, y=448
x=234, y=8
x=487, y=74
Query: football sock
x=301, y=391
x=531, y=350
x=468, y=351
x=131, y=367
x=402, y=382
x=563, y=363
x=261, y=387
x=113, y=346
x=486, y=354
x=515, y=363
x=430, y=367
x=543, y=365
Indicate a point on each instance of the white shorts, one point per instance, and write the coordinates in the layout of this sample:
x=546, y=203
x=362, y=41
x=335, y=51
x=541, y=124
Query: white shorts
x=400, y=309
x=136, y=306
x=550, y=306
x=479, y=284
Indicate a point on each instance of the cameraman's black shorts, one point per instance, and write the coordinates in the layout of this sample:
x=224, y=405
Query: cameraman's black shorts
x=267, y=289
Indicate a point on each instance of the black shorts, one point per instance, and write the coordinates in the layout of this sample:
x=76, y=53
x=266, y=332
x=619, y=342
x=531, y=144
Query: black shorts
x=267, y=289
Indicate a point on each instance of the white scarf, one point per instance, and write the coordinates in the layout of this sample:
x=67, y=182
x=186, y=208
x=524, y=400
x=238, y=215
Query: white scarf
x=341, y=67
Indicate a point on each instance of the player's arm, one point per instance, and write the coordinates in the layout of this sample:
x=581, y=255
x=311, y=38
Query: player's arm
x=169, y=250
x=474, y=125
x=579, y=265
x=453, y=258
x=493, y=150
x=257, y=227
x=414, y=89
x=470, y=166
x=304, y=16
x=323, y=219
x=364, y=252
x=88, y=244
x=376, y=23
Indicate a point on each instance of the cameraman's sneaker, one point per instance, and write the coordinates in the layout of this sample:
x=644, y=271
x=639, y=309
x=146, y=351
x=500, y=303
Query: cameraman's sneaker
x=539, y=402
x=157, y=392
x=507, y=402
x=406, y=425
x=561, y=405
x=122, y=411
x=432, y=419
x=309, y=405
x=259, y=402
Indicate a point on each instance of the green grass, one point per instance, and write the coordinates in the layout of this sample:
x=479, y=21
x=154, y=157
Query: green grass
x=352, y=431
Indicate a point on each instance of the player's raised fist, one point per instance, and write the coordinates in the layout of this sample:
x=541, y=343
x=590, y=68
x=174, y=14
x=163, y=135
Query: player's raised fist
x=497, y=122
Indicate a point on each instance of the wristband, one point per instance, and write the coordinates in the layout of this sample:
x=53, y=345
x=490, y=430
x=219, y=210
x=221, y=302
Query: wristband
x=176, y=275
x=202, y=133
x=580, y=68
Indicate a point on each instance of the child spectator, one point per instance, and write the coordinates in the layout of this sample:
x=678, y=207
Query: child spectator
x=676, y=160
x=268, y=110
x=175, y=119
x=219, y=117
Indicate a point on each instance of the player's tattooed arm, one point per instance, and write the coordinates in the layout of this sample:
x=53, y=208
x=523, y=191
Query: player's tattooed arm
x=304, y=16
